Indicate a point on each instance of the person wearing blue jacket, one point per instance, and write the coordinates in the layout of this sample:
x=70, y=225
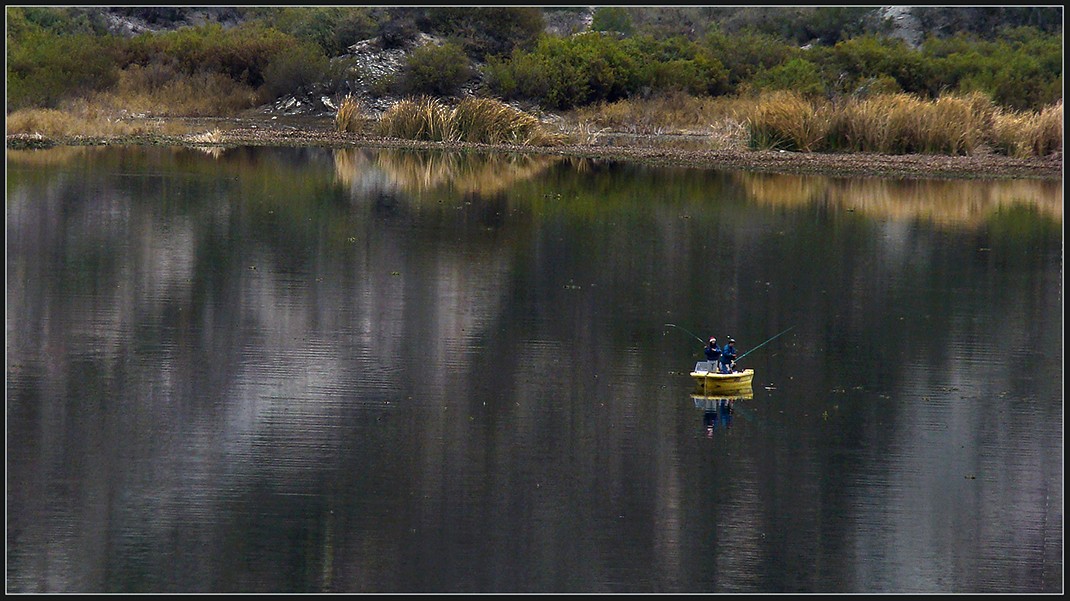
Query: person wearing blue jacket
x=728, y=356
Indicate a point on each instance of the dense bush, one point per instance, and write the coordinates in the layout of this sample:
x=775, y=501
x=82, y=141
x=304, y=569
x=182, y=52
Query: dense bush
x=241, y=53
x=1022, y=70
x=332, y=28
x=486, y=31
x=612, y=18
x=746, y=53
x=44, y=68
x=851, y=64
x=296, y=70
x=797, y=74
x=563, y=73
x=436, y=70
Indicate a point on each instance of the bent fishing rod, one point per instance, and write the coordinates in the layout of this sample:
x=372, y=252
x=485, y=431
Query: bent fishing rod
x=672, y=325
x=764, y=343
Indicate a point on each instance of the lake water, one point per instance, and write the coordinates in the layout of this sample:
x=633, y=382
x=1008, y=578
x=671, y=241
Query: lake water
x=315, y=370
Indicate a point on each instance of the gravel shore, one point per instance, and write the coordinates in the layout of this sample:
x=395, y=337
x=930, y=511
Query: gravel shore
x=647, y=150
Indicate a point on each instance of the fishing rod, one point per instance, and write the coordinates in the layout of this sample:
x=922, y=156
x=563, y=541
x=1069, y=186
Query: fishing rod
x=763, y=344
x=672, y=325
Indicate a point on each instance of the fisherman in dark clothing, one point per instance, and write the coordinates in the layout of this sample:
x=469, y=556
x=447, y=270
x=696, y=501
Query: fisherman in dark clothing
x=728, y=356
x=713, y=352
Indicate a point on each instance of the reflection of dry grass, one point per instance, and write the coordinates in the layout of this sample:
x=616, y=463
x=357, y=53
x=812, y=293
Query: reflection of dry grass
x=350, y=164
x=57, y=155
x=463, y=172
x=946, y=202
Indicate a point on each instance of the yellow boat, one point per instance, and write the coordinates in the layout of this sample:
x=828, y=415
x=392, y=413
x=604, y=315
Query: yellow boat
x=709, y=382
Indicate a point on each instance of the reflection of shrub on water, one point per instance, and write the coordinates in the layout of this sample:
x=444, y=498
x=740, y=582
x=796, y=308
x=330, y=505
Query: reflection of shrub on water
x=421, y=171
x=947, y=202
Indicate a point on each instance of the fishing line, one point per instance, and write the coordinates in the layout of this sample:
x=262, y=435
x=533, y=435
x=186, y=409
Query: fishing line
x=672, y=325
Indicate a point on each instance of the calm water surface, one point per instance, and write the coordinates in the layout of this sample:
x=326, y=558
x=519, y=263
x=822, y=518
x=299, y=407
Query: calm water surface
x=311, y=370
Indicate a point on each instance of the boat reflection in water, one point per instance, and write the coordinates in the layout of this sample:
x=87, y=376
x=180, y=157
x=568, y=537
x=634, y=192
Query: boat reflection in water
x=717, y=411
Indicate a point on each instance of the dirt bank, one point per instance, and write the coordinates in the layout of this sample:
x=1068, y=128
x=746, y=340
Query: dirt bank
x=647, y=150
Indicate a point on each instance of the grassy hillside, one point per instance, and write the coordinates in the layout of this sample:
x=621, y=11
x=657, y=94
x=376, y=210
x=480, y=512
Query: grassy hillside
x=102, y=63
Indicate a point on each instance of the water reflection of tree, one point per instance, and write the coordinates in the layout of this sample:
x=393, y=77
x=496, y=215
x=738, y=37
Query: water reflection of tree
x=945, y=202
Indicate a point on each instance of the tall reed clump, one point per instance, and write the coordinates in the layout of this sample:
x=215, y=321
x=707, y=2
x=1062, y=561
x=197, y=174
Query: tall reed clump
x=476, y=120
x=1029, y=134
x=350, y=117
x=785, y=120
x=488, y=121
x=903, y=123
x=872, y=124
x=954, y=125
x=424, y=118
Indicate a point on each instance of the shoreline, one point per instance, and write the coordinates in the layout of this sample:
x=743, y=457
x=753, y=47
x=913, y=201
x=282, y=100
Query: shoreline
x=647, y=150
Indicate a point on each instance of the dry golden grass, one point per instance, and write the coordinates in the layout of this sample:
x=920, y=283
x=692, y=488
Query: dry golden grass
x=870, y=125
x=351, y=116
x=57, y=123
x=423, y=118
x=477, y=120
x=1029, y=134
x=488, y=121
x=141, y=91
x=1049, y=130
x=902, y=124
x=788, y=121
x=659, y=114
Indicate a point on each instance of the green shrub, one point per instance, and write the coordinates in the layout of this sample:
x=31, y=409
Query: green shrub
x=436, y=70
x=797, y=74
x=566, y=72
x=487, y=31
x=241, y=53
x=612, y=18
x=44, y=68
x=861, y=59
x=303, y=66
x=332, y=28
x=746, y=53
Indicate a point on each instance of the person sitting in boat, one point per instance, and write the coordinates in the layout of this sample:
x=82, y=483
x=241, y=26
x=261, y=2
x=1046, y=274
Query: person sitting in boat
x=728, y=357
x=713, y=352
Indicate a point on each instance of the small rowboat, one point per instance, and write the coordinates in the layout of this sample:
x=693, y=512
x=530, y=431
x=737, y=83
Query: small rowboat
x=709, y=382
